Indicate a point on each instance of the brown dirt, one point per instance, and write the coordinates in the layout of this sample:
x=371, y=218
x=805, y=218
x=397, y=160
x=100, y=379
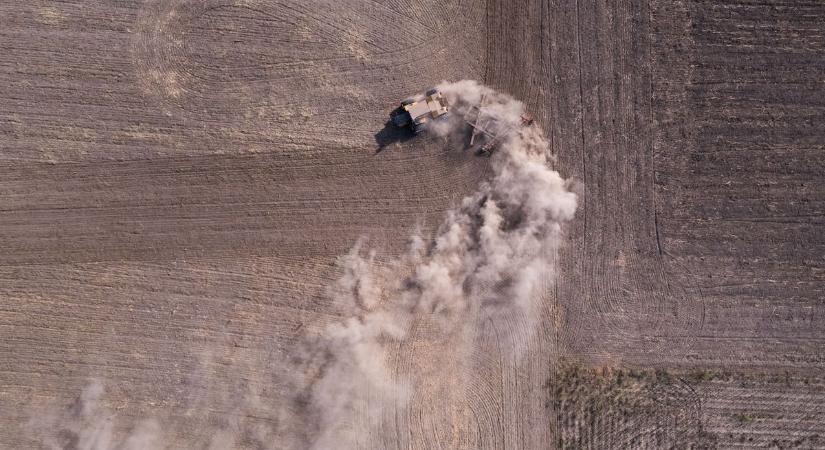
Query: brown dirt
x=177, y=179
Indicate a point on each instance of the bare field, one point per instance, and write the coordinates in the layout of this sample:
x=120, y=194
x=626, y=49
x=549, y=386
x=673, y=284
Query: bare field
x=178, y=179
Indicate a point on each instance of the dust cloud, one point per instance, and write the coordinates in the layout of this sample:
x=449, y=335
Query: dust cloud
x=488, y=264
x=89, y=425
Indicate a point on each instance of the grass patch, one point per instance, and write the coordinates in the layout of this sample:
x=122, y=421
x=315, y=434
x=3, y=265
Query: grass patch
x=745, y=418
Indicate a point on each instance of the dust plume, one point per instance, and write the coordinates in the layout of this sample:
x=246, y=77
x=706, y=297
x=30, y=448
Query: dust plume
x=488, y=262
x=88, y=424
x=485, y=267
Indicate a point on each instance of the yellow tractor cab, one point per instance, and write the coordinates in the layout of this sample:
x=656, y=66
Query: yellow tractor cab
x=419, y=111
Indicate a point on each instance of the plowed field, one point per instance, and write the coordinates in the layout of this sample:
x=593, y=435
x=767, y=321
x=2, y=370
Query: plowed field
x=178, y=179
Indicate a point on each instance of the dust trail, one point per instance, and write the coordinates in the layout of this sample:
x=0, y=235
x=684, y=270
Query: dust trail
x=488, y=262
x=89, y=425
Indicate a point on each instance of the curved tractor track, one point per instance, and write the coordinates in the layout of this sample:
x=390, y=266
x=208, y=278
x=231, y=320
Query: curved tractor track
x=178, y=179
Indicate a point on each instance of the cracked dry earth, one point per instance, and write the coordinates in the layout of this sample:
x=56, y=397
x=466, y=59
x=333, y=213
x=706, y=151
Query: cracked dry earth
x=178, y=179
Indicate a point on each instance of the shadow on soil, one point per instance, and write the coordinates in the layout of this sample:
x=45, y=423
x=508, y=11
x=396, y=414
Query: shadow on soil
x=391, y=134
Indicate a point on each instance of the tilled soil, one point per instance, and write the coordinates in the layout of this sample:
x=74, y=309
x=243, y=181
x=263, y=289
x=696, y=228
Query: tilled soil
x=177, y=179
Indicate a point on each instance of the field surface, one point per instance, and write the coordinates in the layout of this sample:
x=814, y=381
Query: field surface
x=178, y=179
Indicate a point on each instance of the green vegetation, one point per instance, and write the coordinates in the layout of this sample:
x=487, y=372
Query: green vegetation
x=597, y=407
x=744, y=418
x=706, y=375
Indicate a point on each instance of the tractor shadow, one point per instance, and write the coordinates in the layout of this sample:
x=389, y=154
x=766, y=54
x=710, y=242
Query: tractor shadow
x=391, y=134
